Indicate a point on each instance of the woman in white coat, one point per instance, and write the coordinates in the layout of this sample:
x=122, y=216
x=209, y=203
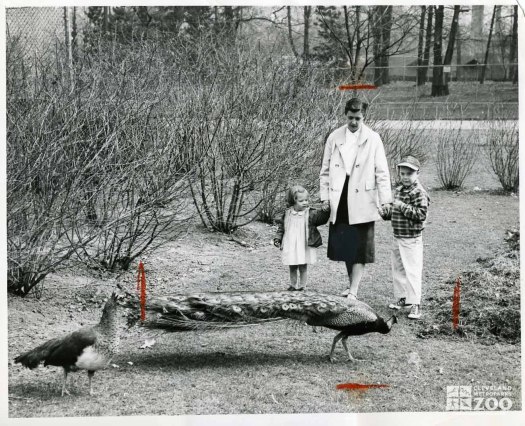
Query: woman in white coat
x=354, y=182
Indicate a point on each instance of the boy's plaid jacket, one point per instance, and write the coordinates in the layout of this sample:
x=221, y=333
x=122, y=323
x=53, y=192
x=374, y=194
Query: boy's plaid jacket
x=408, y=221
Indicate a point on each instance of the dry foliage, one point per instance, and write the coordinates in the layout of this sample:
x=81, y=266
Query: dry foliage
x=95, y=169
x=503, y=151
x=259, y=126
x=490, y=299
x=457, y=151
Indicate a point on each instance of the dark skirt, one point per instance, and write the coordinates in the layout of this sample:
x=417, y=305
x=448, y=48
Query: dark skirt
x=350, y=243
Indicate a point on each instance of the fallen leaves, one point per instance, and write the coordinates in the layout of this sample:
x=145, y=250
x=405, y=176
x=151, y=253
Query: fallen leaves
x=148, y=343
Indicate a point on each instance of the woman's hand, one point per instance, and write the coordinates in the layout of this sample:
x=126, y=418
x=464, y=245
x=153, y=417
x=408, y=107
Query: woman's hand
x=385, y=210
x=326, y=206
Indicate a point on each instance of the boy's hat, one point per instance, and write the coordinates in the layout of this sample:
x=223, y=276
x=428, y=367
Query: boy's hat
x=410, y=162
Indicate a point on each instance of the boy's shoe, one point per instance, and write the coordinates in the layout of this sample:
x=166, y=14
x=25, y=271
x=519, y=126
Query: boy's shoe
x=400, y=304
x=415, y=312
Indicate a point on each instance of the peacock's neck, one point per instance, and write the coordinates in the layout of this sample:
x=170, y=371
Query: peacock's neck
x=110, y=327
x=383, y=326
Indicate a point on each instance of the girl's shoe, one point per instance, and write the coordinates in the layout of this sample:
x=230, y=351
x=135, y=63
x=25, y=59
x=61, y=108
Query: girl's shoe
x=400, y=304
x=351, y=296
x=415, y=312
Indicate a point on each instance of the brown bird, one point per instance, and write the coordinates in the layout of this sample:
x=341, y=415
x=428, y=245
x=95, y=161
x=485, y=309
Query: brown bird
x=90, y=348
x=222, y=310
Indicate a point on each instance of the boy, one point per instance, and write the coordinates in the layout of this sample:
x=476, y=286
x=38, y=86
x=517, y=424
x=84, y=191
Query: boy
x=408, y=215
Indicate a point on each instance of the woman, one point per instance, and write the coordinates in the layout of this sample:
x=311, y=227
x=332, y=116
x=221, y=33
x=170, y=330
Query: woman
x=354, y=181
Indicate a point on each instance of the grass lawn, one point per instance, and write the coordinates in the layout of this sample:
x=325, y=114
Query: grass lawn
x=279, y=367
x=467, y=100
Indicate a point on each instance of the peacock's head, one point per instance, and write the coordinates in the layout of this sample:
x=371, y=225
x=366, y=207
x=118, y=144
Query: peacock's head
x=112, y=303
x=388, y=324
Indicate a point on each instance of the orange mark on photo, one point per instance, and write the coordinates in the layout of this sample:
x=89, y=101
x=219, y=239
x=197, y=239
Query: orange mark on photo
x=357, y=87
x=358, y=386
x=141, y=284
x=456, y=304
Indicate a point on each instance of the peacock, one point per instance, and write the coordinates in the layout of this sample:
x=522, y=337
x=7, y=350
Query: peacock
x=209, y=311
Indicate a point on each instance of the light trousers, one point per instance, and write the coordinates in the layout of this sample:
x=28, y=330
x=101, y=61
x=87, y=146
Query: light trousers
x=407, y=268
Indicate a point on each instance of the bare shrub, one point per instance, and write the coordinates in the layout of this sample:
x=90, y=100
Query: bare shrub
x=94, y=169
x=503, y=151
x=139, y=199
x=41, y=175
x=457, y=151
x=259, y=128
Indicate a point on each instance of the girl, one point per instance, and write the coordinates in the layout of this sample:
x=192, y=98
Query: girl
x=297, y=235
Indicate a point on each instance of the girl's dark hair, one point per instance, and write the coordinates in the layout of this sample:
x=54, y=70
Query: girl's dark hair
x=356, y=105
x=291, y=194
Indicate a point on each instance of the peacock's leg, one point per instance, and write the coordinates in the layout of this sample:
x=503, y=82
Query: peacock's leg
x=90, y=377
x=350, y=357
x=64, y=390
x=336, y=339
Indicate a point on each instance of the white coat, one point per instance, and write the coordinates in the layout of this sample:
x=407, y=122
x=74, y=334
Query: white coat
x=369, y=183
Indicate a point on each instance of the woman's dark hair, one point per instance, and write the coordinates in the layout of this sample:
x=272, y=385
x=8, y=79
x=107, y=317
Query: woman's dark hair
x=356, y=105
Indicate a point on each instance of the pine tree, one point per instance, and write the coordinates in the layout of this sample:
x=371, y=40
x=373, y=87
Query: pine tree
x=331, y=28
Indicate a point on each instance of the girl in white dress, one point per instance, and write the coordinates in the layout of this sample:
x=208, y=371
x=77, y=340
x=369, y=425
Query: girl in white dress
x=298, y=236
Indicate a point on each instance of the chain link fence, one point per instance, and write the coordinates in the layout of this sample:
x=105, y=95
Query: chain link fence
x=37, y=29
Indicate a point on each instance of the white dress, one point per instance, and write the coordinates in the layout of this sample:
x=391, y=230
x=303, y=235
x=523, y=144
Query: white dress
x=295, y=249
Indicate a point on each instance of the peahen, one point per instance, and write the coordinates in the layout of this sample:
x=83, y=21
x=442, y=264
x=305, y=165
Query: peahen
x=89, y=348
x=233, y=309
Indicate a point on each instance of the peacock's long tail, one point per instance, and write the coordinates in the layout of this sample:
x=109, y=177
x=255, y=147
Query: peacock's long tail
x=223, y=310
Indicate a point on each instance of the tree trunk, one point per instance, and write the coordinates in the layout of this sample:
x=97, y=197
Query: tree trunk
x=514, y=47
x=69, y=51
x=377, y=12
x=105, y=19
x=358, y=41
x=290, y=35
x=438, y=87
x=426, y=52
x=229, y=24
x=458, y=56
x=450, y=47
x=501, y=43
x=350, y=50
x=386, y=28
x=74, y=33
x=484, y=68
x=420, y=46
x=306, y=43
